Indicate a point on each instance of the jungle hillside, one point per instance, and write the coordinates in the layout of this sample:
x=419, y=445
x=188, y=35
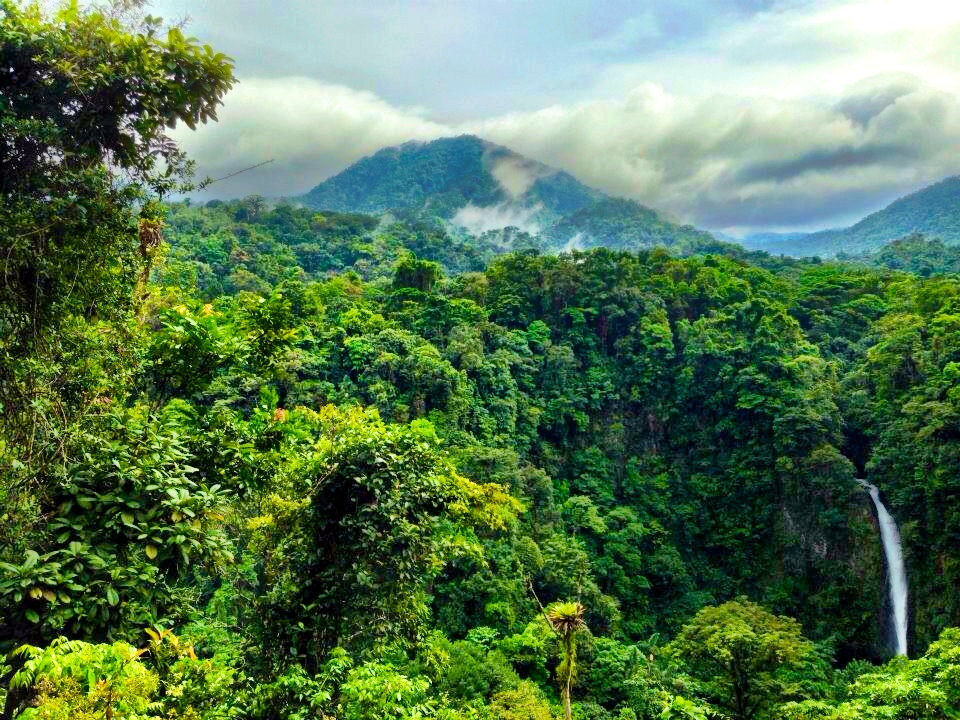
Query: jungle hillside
x=360, y=453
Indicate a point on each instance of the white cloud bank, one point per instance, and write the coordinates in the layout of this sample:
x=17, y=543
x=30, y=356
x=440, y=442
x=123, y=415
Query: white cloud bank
x=516, y=175
x=808, y=115
x=721, y=161
x=309, y=129
x=478, y=220
x=729, y=162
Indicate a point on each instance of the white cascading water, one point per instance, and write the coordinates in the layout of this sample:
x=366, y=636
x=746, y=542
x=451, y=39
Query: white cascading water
x=896, y=571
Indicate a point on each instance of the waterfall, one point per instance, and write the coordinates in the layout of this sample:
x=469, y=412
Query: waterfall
x=896, y=571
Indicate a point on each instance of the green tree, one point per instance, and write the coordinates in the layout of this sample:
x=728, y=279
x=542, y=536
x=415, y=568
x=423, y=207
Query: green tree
x=928, y=688
x=525, y=701
x=74, y=679
x=417, y=274
x=682, y=709
x=566, y=619
x=741, y=658
x=128, y=519
x=87, y=101
x=357, y=528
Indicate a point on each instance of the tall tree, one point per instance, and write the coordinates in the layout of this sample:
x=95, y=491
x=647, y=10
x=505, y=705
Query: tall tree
x=356, y=529
x=87, y=99
x=740, y=657
x=566, y=619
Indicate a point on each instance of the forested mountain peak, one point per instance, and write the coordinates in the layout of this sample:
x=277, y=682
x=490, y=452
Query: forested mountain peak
x=449, y=174
x=476, y=187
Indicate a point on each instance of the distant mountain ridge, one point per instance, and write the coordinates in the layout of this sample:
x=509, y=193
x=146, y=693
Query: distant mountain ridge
x=933, y=211
x=481, y=187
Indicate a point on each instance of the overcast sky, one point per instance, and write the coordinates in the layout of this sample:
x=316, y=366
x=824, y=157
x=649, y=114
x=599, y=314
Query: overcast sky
x=732, y=114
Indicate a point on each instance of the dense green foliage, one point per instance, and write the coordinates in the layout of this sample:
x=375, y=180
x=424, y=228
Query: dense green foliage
x=227, y=247
x=623, y=225
x=84, y=153
x=645, y=410
x=915, y=254
x=747, y=661
x=325, y=465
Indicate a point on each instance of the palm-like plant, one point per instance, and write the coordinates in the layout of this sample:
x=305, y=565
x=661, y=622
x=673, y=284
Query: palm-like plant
x=566, y=619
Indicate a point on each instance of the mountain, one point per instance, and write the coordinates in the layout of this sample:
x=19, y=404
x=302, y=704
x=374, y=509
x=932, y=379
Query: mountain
x=454, y=175
x=623, y=225
x=933, y=211
x=480, y=188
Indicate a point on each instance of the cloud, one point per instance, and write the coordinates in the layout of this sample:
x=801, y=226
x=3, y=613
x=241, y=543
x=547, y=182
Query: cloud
x=776, y=115
x=309, y=129
x=463, y=59
x=728, y=162
x=516, y=175
x=477, y=220
x=870, y=97
x=574, y=243
x=721, y=161
x=801, y=48
x=742, y=114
